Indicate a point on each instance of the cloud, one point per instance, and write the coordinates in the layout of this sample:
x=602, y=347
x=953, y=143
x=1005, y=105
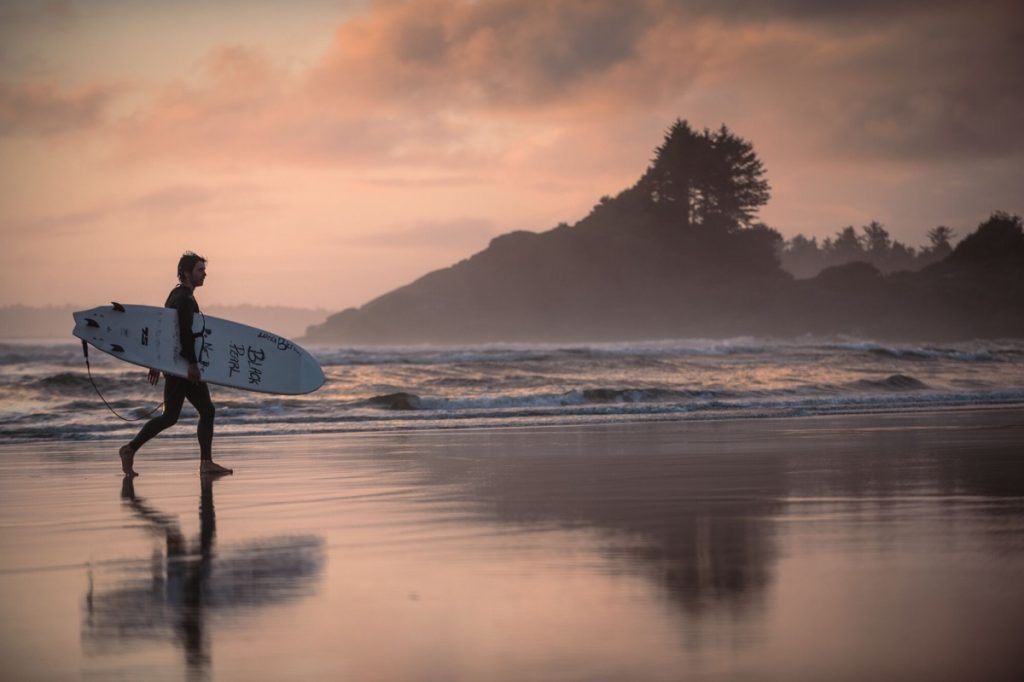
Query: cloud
x=447, y=83
x=445, y=235
x=26, y=15
x=229, y=104
x=458, y=85
x=165, y=205
x=498, y=52
x=959, y=96
x=62, y=224
x=43, y=108
x=397, y=182
x=912, y=82
x=174, y=199
x=840, y=16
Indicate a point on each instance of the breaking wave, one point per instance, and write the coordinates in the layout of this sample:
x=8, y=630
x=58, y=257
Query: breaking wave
x=45, y=392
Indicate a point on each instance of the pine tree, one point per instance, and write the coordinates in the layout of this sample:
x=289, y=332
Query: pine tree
x=713, y=179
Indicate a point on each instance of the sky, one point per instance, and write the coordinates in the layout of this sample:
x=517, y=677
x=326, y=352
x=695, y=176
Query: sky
x=320, y=153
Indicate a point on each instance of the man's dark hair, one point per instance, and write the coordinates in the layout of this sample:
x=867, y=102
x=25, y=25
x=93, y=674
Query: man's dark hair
x=188, y=261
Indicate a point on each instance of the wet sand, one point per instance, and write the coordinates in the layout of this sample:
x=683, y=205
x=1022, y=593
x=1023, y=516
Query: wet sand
x=842, y=548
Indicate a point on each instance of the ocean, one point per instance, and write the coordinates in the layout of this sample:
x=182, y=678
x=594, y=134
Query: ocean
x=46, y=393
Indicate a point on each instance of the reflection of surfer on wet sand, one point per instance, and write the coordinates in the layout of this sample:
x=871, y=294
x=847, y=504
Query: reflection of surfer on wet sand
x=173, y=601
x=187, y=572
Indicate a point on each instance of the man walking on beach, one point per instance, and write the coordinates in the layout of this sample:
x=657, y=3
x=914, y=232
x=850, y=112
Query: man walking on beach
x=191, y=274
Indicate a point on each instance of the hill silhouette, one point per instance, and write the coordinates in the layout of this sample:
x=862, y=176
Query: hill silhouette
x=678, y=254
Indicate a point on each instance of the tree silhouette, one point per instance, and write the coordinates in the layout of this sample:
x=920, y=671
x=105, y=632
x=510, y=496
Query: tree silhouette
x=876, y=239
x=847, y=247
x=713, y=179
x=940, y=238
x=998, y=240
x=804, y=258
x=734, y=187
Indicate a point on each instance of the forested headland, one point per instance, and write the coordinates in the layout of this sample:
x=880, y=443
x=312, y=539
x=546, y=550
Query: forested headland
x=681, y=253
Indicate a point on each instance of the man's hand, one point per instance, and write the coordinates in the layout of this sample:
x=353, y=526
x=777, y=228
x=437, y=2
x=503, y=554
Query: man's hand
x=193, y=373
x=154, y=377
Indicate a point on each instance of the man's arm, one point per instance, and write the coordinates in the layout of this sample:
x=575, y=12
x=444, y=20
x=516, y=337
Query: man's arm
x=188, y=341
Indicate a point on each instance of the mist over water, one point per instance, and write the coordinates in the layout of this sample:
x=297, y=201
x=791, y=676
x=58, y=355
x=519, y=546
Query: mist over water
x=47, y=394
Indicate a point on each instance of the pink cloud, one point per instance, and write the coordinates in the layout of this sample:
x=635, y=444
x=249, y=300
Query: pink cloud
x=229, y=104
x=458, y=85
x=501, y=53
x=43, y=108
x=451, y=235
x=445, y=83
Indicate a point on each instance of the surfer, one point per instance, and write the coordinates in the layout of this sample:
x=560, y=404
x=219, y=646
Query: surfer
x=191, y=274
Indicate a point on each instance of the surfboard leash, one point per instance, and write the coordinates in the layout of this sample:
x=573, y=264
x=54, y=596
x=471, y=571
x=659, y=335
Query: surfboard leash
x=88, y=369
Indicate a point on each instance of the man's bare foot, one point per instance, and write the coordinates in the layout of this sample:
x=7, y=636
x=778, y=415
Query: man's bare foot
x=127, y=459
x=211, y=468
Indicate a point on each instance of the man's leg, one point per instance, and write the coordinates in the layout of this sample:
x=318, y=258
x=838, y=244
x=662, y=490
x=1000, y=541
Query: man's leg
x=174, y=397
x=199, y=396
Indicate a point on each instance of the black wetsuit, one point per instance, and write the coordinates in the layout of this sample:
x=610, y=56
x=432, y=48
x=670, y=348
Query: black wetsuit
x=177, y=389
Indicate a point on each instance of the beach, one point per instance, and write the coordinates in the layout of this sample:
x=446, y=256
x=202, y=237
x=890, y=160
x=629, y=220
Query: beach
x=850, y=547
x=518, y=341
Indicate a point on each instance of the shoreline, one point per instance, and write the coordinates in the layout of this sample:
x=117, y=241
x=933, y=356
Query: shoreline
x=46, y=396
x=185, y=429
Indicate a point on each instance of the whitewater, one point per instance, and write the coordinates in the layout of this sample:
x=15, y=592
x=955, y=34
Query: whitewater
x=45, y=392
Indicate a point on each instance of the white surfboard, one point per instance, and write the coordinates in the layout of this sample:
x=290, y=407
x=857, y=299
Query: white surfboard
x=229, y=353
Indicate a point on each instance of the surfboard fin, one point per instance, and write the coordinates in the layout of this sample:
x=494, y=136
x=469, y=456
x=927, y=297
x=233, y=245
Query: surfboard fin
x=116, y=348
x=89, y=322
x=117, y=306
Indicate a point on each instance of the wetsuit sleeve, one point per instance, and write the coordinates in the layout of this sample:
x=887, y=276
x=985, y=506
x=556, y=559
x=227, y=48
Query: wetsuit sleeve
x=182, y=305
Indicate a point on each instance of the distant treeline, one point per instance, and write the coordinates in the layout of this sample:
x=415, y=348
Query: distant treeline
x=803, y=257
